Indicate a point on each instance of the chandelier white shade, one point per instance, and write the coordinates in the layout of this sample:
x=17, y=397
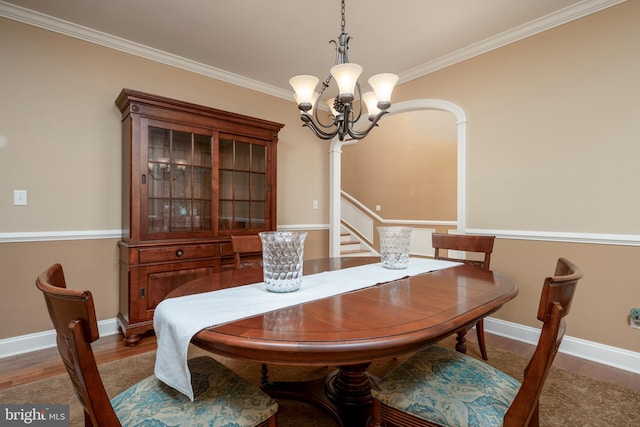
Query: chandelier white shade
x=383, y=85
x=344, y=114
x=371, y=102
x=305, y=87
x=346, y=76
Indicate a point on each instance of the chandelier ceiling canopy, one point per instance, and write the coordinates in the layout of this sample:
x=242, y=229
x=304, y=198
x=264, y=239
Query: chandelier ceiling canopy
x=344, y=114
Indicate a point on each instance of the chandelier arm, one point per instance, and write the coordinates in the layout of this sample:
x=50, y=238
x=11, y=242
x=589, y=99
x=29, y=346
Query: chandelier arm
x=316, y=108
x=355, y=119
x=361, y=134
x=338, y=48
x=319, y=132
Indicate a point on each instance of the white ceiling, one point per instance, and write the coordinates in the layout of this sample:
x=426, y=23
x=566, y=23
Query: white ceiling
x=261, y=44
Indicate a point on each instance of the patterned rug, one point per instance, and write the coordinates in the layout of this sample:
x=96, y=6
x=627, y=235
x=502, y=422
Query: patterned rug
x=568, y=399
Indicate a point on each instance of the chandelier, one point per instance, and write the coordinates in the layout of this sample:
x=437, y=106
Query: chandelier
x=344, y=114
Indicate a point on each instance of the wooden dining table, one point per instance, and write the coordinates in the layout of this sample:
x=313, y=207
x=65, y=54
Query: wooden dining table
x=351, y=330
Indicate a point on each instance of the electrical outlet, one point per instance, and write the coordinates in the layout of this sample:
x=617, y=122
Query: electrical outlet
x=315, y=204
x=634, y=318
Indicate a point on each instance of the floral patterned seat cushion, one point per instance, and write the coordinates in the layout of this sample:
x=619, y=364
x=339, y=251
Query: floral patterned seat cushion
x=222, y=399
x=446, y=387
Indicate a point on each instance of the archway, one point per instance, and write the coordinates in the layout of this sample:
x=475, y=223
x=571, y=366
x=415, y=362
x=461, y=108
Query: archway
x=335, y=159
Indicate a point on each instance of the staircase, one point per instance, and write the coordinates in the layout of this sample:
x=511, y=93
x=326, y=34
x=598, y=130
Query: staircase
x=351, y=245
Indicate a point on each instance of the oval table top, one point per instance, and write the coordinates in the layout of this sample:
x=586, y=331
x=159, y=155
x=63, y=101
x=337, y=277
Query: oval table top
x=382, y=321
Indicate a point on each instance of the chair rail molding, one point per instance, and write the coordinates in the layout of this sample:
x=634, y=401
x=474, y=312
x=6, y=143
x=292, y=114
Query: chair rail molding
x=562, y=236
x=48, y=236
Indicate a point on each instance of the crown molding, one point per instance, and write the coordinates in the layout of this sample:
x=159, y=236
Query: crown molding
x=90, y=35
x=70, y=29
x=568, y=14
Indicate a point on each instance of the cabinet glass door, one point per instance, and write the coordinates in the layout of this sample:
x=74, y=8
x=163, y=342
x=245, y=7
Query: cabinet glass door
x=179, y=185
x=242, y=184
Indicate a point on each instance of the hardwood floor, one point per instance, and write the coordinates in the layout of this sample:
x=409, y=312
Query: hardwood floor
x=578, y=365
x=25, y=368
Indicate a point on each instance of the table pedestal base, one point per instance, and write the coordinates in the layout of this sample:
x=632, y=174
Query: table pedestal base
x=344, y=394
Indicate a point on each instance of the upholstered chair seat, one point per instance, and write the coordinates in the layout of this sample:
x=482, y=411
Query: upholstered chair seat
x=441, y=387
x=222, y=399
x=423, y=385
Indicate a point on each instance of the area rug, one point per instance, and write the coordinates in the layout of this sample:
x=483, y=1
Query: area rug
x=568, y=399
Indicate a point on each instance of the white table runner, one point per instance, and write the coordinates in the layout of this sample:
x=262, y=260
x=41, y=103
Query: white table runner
x=177, y=320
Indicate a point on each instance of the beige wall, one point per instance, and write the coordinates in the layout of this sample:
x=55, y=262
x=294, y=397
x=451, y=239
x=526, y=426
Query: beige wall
x=62, y=130
x=88, y=264
x=553, y=125
x=407, y=166
x=60, y=140
x=600, y=309
x=552, y=145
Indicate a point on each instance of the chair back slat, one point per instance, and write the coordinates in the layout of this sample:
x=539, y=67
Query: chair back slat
x=73, y=315
x=560, y=287
x=467, y=243
x=557, y=293
x=525, y=406
x=247, y=250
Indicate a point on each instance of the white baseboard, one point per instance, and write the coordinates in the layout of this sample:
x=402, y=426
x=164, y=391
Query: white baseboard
x=40, y=340
x=589, y=350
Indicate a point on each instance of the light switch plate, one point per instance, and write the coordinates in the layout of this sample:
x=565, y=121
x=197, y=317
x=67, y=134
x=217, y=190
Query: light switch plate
x=19, y=197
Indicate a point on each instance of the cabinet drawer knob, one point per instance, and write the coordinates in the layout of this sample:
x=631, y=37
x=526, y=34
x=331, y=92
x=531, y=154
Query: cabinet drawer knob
x=179, y=253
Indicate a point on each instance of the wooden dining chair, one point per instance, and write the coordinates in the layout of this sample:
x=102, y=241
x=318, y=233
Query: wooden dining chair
x=247, y=250
x=472, y=246
x=442, y=387
x=222, y=398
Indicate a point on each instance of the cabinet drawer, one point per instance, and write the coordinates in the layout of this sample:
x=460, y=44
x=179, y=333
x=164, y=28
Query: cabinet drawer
x=177, y=253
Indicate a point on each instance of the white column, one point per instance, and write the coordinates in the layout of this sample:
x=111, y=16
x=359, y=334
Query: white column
x=335, y=186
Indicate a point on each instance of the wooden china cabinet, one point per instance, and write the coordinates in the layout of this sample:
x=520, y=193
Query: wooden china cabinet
x=192, y=177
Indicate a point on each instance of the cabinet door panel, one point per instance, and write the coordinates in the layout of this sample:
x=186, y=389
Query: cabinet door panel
x=258, y=187
x=244, y=182
x=259, y=158
x=242, y=189
x=257, y=215
x=178, y=187
x=182, y=182
x=157, y=281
